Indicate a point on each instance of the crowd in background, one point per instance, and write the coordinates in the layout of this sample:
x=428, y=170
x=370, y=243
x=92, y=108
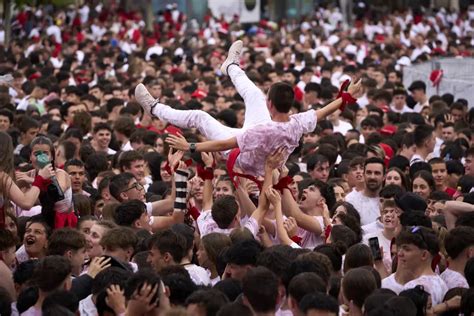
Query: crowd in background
x=372, y=214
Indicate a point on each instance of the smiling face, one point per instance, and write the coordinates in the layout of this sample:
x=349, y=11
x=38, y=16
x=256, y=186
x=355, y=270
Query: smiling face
x=36, y=240
x=102, y=138
x=93, y=247
x=421, y=187
x=222, y=188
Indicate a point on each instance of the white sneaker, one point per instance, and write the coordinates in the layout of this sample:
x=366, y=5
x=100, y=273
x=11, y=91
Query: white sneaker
x=145, y=99
x=233, y=56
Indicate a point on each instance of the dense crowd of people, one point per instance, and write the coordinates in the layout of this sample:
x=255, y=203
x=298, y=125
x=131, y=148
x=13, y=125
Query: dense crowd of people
x=217, y=168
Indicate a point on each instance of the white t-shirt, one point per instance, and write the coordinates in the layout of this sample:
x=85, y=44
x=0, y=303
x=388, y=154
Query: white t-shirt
x=454, y=279
x=207, y=225
x=199, y=275
x=372, y=227
x=392, y=284
x=368, y=208
x=405, y=109
x=310, y=240
x=343, y=127
x=432, y=284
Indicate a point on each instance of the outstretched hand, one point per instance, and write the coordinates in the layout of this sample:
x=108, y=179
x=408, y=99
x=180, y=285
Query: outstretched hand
x=207, y=159
x=275, y=159
x=355, y=89
x=178, y=142
x=174, y=158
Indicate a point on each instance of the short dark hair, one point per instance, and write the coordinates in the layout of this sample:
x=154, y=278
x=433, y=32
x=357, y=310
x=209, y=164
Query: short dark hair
x=74, y=162
x=421, y=237
x=51, y=272
x=171, y=242
x=314, y=160
x=260, y=288
x=125, y=125
x=458, y=239
x=7, y=239
x=320, y=302
x=243, y=252
x=210, y=299
x=119, y=183
x=101, y=126
x=60, y=298
x=128, y=212
x=422, y=133
x=469, y=272
x=109, y=276
x=281, y=95
x=305, y=283
x=126, y=158
x=65, y=239
x=119, y=238
x=357, y=285
x=327, y=191
x=375, y=160
x=224, y=209
x=137, y=280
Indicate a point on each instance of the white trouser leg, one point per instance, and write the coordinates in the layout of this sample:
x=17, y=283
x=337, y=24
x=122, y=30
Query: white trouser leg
x=206, y=124
x=256, y=110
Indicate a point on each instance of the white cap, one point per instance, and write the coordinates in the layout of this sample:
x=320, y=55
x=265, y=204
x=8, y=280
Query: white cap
x=333, y=39
x=351, y=49
x=404, y=61
x=305, y=26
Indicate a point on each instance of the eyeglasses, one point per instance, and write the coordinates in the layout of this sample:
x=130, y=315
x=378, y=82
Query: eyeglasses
x=136, y=185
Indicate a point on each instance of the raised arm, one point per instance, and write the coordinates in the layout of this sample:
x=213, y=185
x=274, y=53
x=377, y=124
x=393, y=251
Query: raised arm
x=180, y=143
x=354, y=90
x=303, y=220
x=26, y=200
x=275, y=199
x=207, y=199
x=453, y=209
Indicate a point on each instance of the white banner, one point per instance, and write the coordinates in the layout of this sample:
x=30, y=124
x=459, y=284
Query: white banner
x=248, y=10
x=458, y=77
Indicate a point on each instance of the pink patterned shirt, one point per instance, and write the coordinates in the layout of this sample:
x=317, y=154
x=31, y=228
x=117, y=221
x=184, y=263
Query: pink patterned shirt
x=257, y=142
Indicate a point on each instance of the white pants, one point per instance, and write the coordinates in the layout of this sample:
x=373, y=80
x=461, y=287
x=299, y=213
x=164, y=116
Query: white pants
x=256, y=111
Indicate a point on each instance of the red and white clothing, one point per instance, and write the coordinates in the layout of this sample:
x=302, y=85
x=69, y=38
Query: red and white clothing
x=259, y=136
x=207, y=225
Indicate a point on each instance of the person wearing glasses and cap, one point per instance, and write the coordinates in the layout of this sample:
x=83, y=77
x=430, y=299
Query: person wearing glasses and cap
x=417, y=247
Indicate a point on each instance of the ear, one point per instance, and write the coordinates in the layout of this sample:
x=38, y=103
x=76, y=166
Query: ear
x=137, y=224
x=167, y=257
x=68, y=254
x=124, y=196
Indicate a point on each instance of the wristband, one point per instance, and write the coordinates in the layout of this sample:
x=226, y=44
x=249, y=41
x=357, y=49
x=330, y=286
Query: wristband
x=296, y=239
x=192, y=147
x=205, y=173
x=283, y=183
x=194, y=212
x=41, y=183
x=346, y=96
